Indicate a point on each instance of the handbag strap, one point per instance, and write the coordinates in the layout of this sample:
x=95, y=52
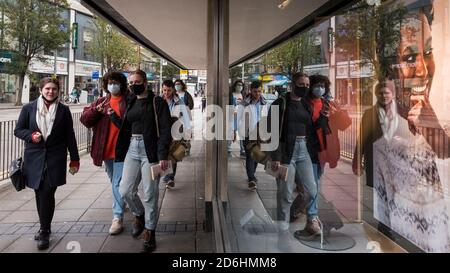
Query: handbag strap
x=156, y=116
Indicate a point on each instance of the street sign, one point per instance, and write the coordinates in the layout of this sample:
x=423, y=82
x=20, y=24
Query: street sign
x=95, y=74
x=75, y=36
x=330, y=40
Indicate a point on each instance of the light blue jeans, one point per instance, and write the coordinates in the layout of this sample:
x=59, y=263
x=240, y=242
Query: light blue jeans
x=302, y=165
x=114, y=172
x=313, y=211
x=136, y=166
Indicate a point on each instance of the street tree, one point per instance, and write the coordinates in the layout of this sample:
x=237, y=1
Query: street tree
x=236, y=72
x=169, y=71
x=293, y=55
x=114, y=50
x=32, y=27
x=371, y=33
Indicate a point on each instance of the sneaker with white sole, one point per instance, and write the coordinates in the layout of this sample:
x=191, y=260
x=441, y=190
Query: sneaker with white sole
x=313, y=226
x=170, y=184
x=252, y=185
x=116, y=226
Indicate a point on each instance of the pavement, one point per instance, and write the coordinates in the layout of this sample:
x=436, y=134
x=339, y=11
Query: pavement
x=252, y=214
x=83, y=212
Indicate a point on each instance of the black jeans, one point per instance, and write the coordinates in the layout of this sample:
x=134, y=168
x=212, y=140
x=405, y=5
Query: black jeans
x=45, y=203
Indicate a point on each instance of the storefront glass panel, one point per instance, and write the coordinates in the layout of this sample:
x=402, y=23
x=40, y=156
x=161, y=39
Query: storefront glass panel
x=384, y=175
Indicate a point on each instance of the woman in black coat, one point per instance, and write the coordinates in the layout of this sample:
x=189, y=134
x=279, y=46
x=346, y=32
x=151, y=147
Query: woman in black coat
x=46, y=126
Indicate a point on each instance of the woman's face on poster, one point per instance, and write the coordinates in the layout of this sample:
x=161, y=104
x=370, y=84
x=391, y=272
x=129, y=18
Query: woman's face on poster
x=416, y=65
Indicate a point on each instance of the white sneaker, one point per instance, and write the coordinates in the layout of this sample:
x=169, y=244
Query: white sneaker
x=116, y=226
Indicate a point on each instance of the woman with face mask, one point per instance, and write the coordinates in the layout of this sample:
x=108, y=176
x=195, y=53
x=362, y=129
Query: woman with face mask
x=183, y=94
x=317, y=107
x=178, y=111
x=143, y=142
x=104, y=117
x=235, y=99
x=295, y=127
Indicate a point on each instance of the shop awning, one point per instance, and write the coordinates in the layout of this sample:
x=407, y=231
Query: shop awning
x=177, y=30
x=278, y=83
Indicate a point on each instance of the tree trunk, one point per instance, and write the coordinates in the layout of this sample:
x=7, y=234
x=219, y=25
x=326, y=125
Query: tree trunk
x=19, y=92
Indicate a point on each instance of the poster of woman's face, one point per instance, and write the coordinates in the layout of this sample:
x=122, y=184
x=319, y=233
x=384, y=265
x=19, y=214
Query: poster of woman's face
x=411, y=166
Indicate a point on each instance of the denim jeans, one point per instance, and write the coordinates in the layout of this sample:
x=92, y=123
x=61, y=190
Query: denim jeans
x=299, y=204
x=171, y=176
x=313, y=210
x=300, y=165
x=250, y=165
x=114, y=171
x=135, y=167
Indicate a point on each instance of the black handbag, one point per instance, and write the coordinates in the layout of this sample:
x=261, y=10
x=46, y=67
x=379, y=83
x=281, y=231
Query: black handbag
x=16, y=174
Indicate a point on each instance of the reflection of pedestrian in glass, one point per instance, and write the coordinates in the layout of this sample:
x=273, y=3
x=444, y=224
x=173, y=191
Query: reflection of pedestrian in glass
x=296, y=125
x=236, y=98
x=253, y=105
x=178, y=110
x=104, y=116
x=203, y=103
x=46, y=126
x=408, y=191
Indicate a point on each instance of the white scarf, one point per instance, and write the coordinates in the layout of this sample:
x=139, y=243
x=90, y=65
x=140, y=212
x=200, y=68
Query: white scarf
x=388, y=124
x=45, y=117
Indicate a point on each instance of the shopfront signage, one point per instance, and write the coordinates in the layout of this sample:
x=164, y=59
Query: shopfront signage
x=86, y=69
x=48, y=66
x=183, y=74
x=353, y=69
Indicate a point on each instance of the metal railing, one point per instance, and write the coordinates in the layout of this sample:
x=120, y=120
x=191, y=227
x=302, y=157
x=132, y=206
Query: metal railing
x=348, y=139
x=437, y=138
x=12, y=147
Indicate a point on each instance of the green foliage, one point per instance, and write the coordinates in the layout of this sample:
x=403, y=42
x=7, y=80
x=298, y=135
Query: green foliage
x=169, y=71
x=32, y=27
x=293, y=55
x=113, y=49
x=372, y=33
x=236, y=72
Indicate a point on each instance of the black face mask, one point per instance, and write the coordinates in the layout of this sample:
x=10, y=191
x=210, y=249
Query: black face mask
x=49, y=101
x=300, y=91
x=137, y=89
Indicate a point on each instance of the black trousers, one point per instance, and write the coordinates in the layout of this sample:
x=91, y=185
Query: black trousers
x=45, y=203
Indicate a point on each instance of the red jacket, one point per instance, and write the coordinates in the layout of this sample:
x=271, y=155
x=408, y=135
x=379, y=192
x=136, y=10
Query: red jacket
x=99, y=122
x=339, y=121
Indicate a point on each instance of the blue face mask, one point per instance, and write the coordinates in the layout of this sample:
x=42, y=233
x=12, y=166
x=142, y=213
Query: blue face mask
x=318, y=91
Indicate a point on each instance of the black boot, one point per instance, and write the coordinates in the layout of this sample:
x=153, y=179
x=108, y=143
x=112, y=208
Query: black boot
x=43, y=240
x=36, y=236
x=138, y=226
x=149, y=241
